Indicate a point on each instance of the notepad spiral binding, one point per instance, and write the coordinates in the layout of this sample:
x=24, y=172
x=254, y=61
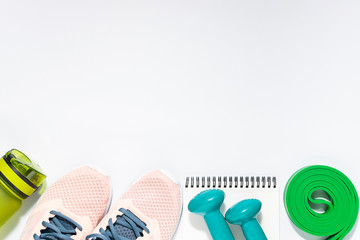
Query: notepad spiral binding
x=230, y=182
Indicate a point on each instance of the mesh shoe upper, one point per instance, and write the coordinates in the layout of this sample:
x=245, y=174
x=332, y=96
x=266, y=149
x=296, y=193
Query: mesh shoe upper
x=82, y=194
x=155, y=200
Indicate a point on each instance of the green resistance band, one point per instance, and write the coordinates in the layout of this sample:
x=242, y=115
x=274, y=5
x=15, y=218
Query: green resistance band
x=321, y=201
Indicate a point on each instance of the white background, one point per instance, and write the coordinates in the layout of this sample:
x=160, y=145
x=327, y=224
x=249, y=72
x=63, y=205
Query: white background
x=194, y=87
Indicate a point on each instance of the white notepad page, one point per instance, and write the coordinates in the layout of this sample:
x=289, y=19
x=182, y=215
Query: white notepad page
x=194, y=226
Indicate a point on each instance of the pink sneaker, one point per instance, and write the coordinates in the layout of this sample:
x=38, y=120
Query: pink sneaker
x=149, y=210
x=71, y=208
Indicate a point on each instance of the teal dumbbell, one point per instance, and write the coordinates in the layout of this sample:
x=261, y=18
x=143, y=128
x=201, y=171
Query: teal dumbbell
x=244, y=214
x=207, y=204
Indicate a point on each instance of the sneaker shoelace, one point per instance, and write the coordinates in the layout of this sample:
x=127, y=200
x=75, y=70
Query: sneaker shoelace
x=60, y=227
x=127, y=220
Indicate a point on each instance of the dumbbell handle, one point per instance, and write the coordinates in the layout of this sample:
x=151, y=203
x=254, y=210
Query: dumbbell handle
x=218, y=227
x=253, y=231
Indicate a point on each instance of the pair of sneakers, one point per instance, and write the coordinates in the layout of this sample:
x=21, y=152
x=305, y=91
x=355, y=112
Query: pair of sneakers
x=76, y=207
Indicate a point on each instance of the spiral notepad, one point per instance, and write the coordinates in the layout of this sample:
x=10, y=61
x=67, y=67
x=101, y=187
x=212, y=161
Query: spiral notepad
x=236, y=189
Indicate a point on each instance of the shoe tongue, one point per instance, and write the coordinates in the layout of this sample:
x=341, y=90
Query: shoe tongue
x=124, y=232
x=51, y=238
x=64, y=222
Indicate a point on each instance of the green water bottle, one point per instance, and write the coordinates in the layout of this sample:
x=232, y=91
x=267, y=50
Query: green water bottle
x=19, y=178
